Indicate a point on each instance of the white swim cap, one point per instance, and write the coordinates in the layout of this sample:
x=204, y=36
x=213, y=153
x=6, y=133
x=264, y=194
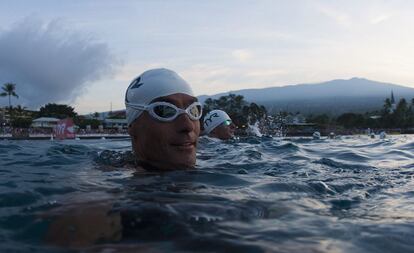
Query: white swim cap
x=150, y=85
x=214, y=119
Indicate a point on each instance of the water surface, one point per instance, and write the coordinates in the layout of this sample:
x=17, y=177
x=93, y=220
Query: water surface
x=351, y=194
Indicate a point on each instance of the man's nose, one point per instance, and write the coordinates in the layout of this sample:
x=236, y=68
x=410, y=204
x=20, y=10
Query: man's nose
x=184, y=123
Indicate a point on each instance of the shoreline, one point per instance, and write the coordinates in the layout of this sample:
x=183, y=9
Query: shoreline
x=126, y=136
x=81, y=137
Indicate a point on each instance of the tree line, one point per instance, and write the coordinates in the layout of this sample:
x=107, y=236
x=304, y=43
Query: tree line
x=240, y=111
x=400, y=115
x=243, y=113
x=23, y=118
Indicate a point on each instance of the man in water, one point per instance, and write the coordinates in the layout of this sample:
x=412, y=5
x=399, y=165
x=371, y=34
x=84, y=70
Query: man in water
x=217, y=124
x=163, y=120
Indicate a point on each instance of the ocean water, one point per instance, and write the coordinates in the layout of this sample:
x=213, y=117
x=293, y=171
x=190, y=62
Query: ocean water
x=351, y=194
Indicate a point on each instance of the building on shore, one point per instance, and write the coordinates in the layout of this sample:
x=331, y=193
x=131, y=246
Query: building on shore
x=45, y=122
x=115, y=123
x=4, y=115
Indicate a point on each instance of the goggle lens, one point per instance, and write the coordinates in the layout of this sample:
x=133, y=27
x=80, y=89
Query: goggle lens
x=227, y=122
x=195, y=111
x=164, y=111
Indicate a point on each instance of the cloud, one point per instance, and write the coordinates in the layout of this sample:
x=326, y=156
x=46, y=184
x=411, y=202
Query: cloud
x=49, y=62
x=379, y=19
x=241, y=55
x=339, y=17
x=266, y=73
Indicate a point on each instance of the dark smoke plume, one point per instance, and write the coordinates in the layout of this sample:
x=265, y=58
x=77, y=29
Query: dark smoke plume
x=50, y=63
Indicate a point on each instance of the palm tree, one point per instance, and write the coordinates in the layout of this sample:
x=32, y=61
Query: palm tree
x=20, y=110
x=9, y=90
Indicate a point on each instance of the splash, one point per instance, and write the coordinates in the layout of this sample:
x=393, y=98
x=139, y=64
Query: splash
x=254, y=129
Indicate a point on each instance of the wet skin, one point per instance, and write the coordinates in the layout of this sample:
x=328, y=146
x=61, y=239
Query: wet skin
x=223, y=132
x=163, y=145
x=166, y=145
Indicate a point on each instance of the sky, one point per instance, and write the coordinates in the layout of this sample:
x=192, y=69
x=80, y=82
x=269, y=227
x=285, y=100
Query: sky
x=86, y=52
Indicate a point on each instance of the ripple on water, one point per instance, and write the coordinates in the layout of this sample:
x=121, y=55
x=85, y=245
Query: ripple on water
x=208, y=178
x=283, y=187
x=12, y=199
x=9, y=147
x=47, y=191
x=9, y=184
x=340, y=165
x=351, y=156
x=248, y=195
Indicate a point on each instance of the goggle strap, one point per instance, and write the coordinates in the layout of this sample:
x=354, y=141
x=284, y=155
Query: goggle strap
x=137, y=106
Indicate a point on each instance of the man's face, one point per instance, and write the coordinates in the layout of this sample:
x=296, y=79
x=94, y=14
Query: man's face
x=167, y=145
x=223, y=131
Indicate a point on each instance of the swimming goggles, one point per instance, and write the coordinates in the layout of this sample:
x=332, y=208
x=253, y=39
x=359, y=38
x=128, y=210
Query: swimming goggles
x=227, y=122
x=166, y=112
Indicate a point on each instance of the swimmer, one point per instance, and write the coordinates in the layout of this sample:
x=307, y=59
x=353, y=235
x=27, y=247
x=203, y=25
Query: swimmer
x=316, y=135
x=163, y=120
x=217, y=124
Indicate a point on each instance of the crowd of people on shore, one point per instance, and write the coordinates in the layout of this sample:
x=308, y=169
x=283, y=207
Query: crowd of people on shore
x=9, y=131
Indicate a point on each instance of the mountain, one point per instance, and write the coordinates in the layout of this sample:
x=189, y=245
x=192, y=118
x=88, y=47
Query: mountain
x=333, y=97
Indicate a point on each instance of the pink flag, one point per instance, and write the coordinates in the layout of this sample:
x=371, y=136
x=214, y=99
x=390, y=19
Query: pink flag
x=64, y=129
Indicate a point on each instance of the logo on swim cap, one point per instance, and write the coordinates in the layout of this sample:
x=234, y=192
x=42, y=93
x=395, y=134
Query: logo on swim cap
x=213, y=119
x=206, y=121
x=136, y=84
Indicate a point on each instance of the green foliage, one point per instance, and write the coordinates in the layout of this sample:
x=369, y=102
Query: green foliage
x=322, y=119
x=83, y=122
x=387, y=108
x=21, y=122
x=59, y=111
x=400, y=116
x=22, y=111
x=256, y=112
x=350, y=120
x=9, y=89
x=240, y=111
